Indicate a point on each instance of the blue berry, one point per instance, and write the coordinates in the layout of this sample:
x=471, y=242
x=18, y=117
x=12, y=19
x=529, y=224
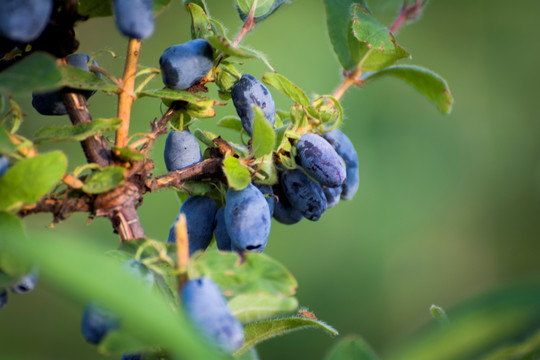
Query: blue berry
x=200, y=213
x=3, y=298
x=134, y=18
x=205, y=305
x=247, y=218
x=185, y=64
x=284, y=212
x=25, y=283
x=249, y=91
x=351, y=184
x=97, y=322
x=320, y=160
x=24, y=20
x=223, y=240
x=127, y=356
x=304, y=194
x=269, y=196
x=51, y=103
x=4, y=165
x=332, y=195
x=181, y=150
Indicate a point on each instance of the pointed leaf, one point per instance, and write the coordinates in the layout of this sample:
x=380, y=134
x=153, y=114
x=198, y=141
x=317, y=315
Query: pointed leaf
x=238, y=176
x=12, y=230
x=262, y=11
x=76, y=78
x=101, y=8
x=427, y=82
x=258, y=274
x=104, y=180
x=200, y=24
x=170, y=94
x=231, y=122
x=222, y=44
x=28, y=180
x=369, y=31
x=284, y=85
x=200, y=3
x=250, y=308
x=127, y=154
x=36, y=72
x=352, y=348
x=264, y=330
x=338, y=15
x=77, y=132
x=264, y=137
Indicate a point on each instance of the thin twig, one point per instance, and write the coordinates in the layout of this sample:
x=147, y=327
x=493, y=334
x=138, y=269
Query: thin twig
x=407, y=12
x=248, y=25
x=106, y=73
x=208, y=168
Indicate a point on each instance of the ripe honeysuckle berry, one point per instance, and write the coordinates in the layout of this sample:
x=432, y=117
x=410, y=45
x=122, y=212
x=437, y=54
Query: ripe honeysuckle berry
x=97, y=322
x=247, y=218
x=269, y=196
x=185, y=64
x=51, y=103
x=304, y=194
x=350, y=186
x=319, y=159
x=284, y=212
x=223, y=240
x=332, y=195
x=134, y=18
x=181, y=150
x=207, y=308
x=3, y=298
x=4, y=165
x=249, y=91
x=139, y=270
x=25, y=283
x=200, y=213
x=23, y=21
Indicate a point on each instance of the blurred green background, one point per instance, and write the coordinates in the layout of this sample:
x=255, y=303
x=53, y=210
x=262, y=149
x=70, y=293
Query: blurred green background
x=448, y=206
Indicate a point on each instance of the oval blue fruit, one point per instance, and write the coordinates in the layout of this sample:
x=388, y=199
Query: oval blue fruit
x=200, y=213
x=249, y=91
x=351, y=184
x=97, y=322
x=320, y=160
x=332, y=195
x=51, y=103
x=181, y=150
x=24, y=20
x=134, y=18
x=247, y=218
x=223, y=240
x=185, y=64
x=3, y=298
x=268, y=193
x=284, y=212
x=304, y=194
x=205, y=305
x=25, y=283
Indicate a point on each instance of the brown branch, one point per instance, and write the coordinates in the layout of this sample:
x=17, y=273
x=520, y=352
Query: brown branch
x=126, y=96
x=60, y=208
x=158, y=128
x=208, y=167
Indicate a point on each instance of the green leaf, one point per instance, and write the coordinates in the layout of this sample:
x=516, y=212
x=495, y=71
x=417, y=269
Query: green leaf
x=438, y=314
x=238, y=176
x=76, y=78
x=205, y=137
x=284, y=85
x=6, y=146
x=267, y=169
x=118, y=342
x=250, y=308
x=280, y=137
x=200, y=3
x=77, y=132
x=262, y=11
x=79, y=269
x=127, y=154
x=29, y=179
x=36, y=72
x=200, y=24
x=264, y=330
x=352, y=348
x=264, y=137
x=102, y=8
x=427, y=82
x=338, y=14
x=258, y=274
x=104, y=180
x=12, y=229
x=223, y=44
x=369, y=31
x=170, y=94
x=230, y=122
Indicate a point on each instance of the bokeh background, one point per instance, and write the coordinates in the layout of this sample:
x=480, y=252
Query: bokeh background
x=448, y=206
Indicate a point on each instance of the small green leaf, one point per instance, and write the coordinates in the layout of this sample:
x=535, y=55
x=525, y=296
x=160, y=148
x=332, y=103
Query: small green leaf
x=12, y=230
x=192, y=188
x=267, y=169
x=369, y=31
x=338, y=14
x=102, y=8
x=28, y=180
x=77, y=132
x=201, y=109
x=352, y=348
x=262, y=11
x=284, y=85
x=200, y=3
x=231, y=122
x=104, y=180
x=258, y=274
x=170, y=94
x=250, y=308
x=200, y=24
x=222, y=44
x=264, y=137
x=264, y=330
x=205, y=137
x=36, y=72
x=76, y=78
x=238, y=176
x=438, y=314
x=427, y=82
x=6, y=146
x=127, y=154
